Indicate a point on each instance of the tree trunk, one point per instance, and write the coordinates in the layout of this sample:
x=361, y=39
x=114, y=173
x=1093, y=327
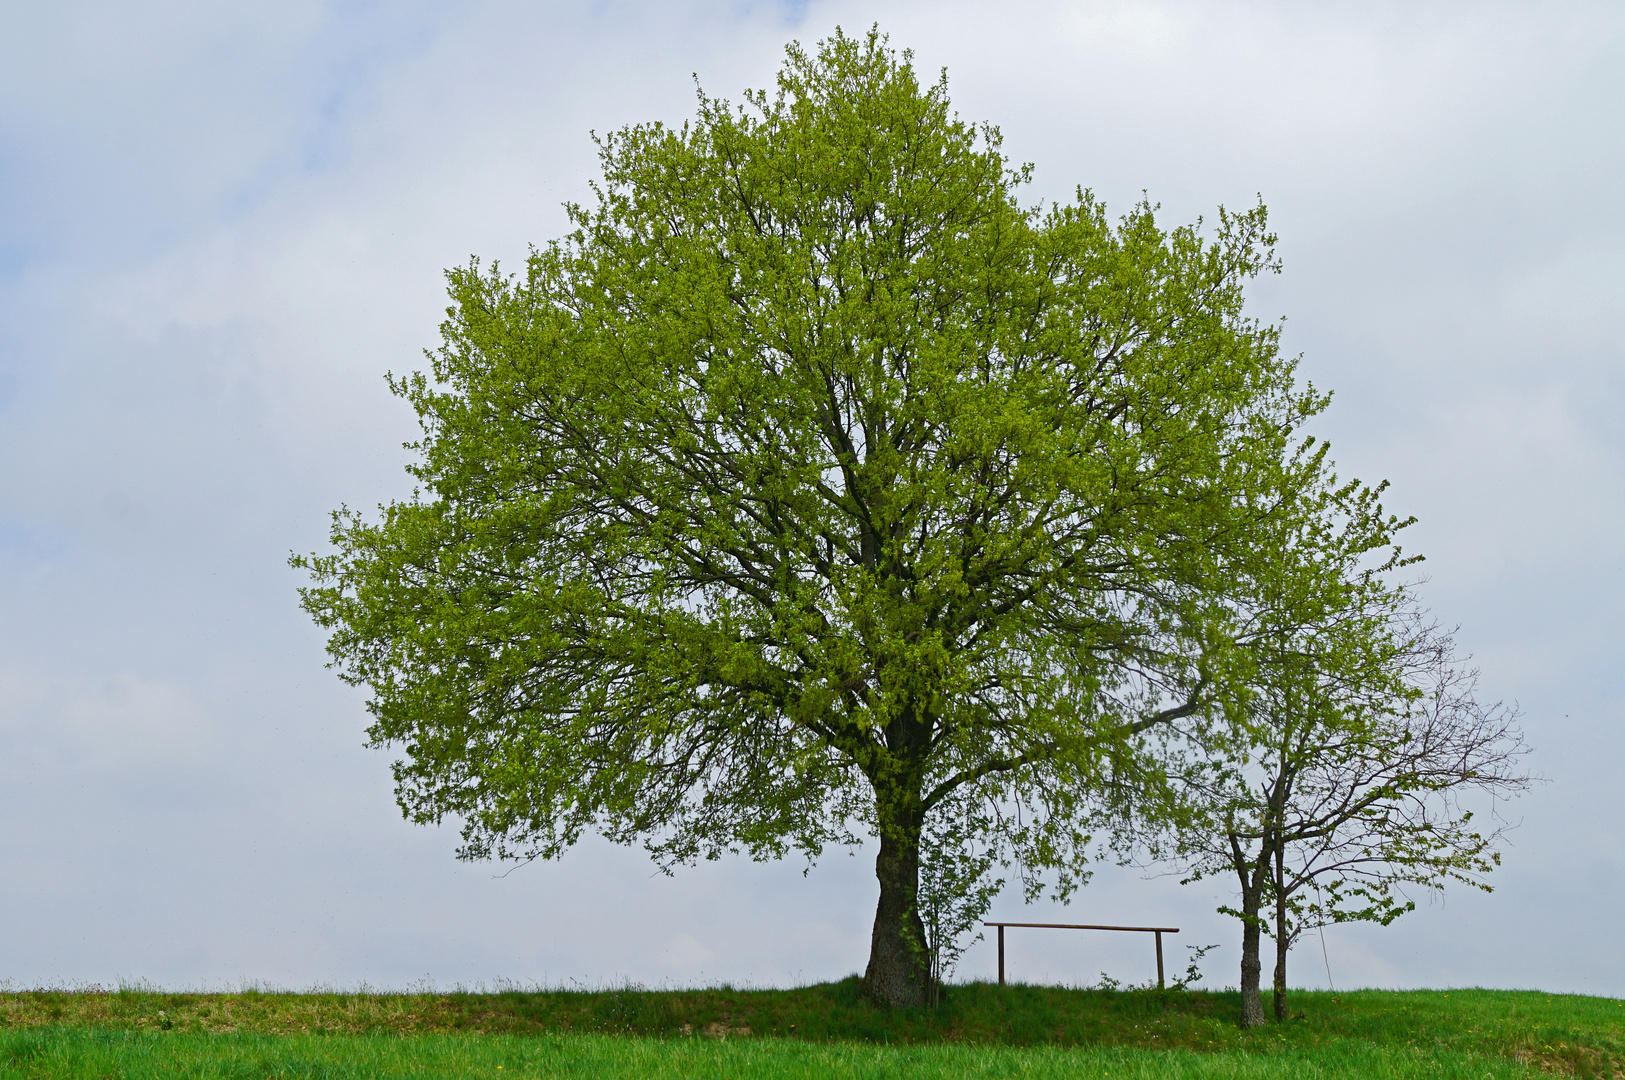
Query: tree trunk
x=899, y=969
x=1252, y=1006
x=1281, y=946
x=1282, y=942
x=899, y=972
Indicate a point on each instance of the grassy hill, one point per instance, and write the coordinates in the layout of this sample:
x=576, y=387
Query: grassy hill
x=825, y=1030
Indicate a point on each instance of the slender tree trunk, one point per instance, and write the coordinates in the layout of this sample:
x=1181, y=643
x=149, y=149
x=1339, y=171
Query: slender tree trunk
x=899, y=969
x=1280, y=978
x=1281, y=946
x=1282, y=942
x=1252, y=888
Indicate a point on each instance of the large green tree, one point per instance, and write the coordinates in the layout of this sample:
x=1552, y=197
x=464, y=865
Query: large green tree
x=814, y=488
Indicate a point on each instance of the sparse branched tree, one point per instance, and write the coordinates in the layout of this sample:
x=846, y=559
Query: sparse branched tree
x=958, y=879
x=1364, y=743
x=813, y=488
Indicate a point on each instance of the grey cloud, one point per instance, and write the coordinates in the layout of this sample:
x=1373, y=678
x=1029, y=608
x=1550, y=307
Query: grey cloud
x=232, y=222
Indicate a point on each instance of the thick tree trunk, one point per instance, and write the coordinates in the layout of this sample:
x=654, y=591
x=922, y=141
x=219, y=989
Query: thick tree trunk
x=899, y=970
x=1252, y=1005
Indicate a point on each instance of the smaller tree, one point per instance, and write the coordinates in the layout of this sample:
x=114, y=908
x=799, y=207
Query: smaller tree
x=958, y=882
x=1350, y=783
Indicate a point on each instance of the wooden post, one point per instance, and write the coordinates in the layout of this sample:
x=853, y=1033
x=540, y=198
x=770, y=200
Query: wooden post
x=1159, y=959
x=1001, y=955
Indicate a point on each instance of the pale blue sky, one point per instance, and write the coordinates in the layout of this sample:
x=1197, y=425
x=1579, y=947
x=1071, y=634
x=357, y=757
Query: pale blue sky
x=221, y=224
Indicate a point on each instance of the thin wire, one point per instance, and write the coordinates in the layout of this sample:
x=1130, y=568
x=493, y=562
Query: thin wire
x=1324, y=957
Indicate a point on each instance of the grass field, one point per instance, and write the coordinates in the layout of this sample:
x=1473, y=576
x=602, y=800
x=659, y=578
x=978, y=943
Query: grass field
x=823, y=1031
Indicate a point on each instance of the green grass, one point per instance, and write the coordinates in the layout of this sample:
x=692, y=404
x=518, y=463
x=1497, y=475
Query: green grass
x=69, y=1052
x=827, y=1030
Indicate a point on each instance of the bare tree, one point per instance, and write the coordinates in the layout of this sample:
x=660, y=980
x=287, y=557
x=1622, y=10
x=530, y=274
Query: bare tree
x=1349, y=786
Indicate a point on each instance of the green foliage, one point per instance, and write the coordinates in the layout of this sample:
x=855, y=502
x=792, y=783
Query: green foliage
x=1193, y=970
x=813, y=487
x=957, y=885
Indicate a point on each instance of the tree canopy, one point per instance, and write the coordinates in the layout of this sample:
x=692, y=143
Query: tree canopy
x=815, y=488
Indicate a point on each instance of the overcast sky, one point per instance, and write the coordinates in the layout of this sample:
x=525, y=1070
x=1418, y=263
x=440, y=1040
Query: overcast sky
x=221, y=224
